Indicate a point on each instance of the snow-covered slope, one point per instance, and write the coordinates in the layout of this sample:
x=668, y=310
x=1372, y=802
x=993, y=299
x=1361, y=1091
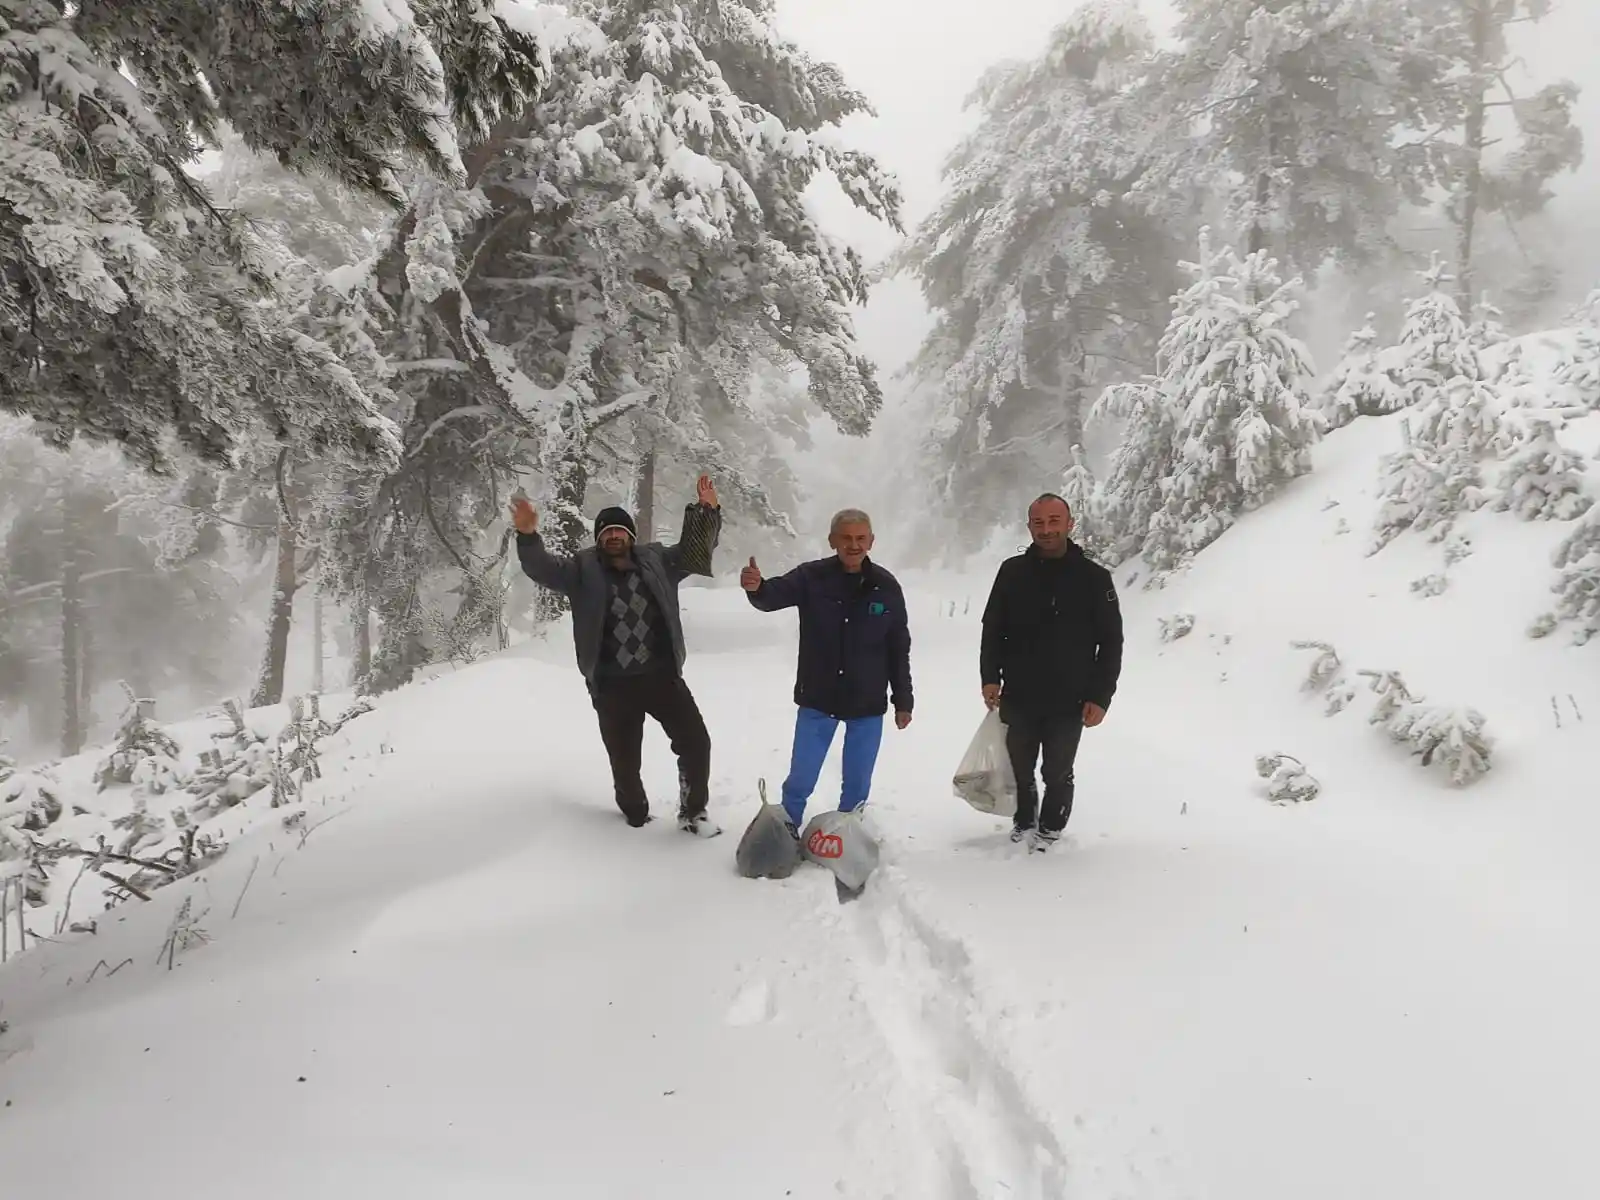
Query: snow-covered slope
x=477, y=982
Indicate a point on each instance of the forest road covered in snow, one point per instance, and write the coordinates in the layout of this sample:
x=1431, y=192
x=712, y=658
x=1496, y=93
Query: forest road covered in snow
x=478, y=982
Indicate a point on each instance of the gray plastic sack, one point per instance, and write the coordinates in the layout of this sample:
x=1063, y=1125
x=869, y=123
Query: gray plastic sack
x=985, y=779
x=839, y=841
x=767, y=850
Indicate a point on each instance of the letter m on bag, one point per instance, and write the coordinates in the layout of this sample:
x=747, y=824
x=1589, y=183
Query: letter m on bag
x=826, y=845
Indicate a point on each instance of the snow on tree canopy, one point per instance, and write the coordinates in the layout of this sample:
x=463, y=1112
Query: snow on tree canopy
x=1237, y=381
x=138, y=315
x=1046, y=268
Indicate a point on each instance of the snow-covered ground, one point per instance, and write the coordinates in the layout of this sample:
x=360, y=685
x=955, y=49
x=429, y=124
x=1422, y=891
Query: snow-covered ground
x=477, y=982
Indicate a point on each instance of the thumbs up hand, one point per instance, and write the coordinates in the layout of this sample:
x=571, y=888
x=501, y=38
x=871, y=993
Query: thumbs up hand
x=750, y=577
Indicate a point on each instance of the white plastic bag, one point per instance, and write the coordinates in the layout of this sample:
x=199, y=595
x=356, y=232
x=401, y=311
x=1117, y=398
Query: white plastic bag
x=985, y=779
x=838, y=841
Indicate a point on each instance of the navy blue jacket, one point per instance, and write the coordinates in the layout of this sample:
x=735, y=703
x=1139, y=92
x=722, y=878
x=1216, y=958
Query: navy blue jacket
x=855, y=637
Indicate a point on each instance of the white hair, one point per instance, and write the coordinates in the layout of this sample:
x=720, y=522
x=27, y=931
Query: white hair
x=848, y=516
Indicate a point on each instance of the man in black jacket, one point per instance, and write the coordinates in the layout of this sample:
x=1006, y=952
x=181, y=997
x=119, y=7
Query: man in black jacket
x=629, y=641
x=855, y=646
x=1051, y=655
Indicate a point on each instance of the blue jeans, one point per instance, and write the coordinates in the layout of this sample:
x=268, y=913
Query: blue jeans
x=813, y=735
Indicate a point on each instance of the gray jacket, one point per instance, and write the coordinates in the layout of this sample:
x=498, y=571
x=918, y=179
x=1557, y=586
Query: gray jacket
x=582, y=579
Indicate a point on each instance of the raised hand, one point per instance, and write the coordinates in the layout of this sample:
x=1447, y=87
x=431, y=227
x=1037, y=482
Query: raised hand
x=706, y=491
x=524, y=516
x=750, y=577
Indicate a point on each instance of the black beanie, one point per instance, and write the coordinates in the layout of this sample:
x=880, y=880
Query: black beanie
x=614, y=517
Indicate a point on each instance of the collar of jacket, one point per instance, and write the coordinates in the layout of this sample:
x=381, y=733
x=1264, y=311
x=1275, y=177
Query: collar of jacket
x=1074, y=551
x=868, y=572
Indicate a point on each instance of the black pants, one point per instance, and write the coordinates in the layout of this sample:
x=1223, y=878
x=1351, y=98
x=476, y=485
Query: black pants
x=622, y=704
x=1057, y=734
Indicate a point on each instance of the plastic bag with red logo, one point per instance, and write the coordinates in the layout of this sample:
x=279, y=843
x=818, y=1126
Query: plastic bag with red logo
x=767, y=850
x=839, y=841
x=985, y=779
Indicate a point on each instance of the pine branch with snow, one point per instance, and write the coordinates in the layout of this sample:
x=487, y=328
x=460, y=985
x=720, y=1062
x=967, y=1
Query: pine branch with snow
x=1327, y=676
x=1145, y=457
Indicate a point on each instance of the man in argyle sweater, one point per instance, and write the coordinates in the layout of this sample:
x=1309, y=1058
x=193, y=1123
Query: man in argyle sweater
x=629, y=641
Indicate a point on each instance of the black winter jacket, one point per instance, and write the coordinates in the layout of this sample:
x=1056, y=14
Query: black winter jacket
x=1052, y=632
x=855, y=637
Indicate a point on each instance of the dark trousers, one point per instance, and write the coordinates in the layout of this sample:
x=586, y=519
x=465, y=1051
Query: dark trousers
x=622, y=704
x=1057, y=734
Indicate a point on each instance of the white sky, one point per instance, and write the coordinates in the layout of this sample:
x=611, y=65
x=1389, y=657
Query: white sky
x=917, y=59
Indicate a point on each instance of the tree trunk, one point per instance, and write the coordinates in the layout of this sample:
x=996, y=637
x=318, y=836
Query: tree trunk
x=71, y=627
x=86, y=674
x=317, y=677
x=361, y=645
x=269, y=687
x=645, y=518
x=1472, y=180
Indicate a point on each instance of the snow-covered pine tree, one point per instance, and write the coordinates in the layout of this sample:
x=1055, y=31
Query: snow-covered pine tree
x=1046, y=263
x=1237, y=380
x=1082, y=494
x=1145, y=457
x=1542, y=480
x=1436, y=345
x=1579, y=369
x=130, y=263
x=1359, y=386
x=1577, y=587
x=651, y=234
x=1293, y=110
x=1467, y=44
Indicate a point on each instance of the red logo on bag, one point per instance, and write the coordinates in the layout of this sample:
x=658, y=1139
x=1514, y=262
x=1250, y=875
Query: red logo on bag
x=826, y=845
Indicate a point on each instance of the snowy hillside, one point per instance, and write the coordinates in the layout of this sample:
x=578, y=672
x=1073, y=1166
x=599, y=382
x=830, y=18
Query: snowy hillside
x=478, y=982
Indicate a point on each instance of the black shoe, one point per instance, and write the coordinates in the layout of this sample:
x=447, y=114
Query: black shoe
x=1043, y=840
x=640, y=822
x=1018, y=832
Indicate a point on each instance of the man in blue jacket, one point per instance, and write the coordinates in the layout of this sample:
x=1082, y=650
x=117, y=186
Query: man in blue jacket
x=855, y=655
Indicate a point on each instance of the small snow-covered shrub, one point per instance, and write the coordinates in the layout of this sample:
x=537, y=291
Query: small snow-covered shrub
x=1542, y=480
x=1360, y=386
x=1430, y=585
x=1457, y=548
x=143, y=748
x=1287, y=779
x=1179, y=626
x=1453, y=736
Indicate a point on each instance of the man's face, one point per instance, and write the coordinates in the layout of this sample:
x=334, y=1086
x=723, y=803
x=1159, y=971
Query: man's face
x=851, y=543
x=1050, y=523
x=615, y=543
